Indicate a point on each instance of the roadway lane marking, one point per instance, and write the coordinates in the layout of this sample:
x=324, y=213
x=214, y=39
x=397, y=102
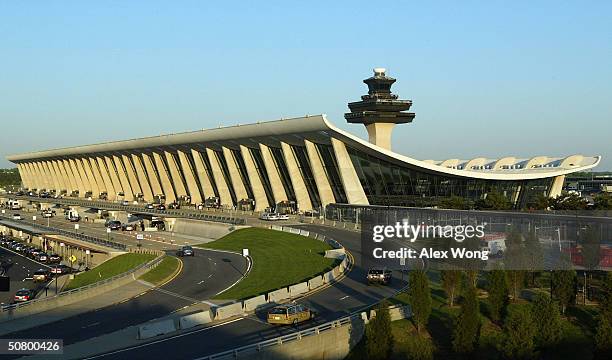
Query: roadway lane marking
x=344, y=297
x=187, y=298
x=162, y=340
x=90, y=325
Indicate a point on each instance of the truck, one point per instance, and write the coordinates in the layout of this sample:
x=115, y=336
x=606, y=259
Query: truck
x=72, y=215
x=494, y=243
x=14, y=205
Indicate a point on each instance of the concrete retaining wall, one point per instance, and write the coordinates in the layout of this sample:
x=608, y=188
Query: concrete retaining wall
x=329, y=276
x=197, y=319
x=253, y=304
x=278, y=295
x=400, y=312
x=298, y=289
x=335, y=254
x=315, y=282
x=209, y=230
x=228, y=311
x=157, y=328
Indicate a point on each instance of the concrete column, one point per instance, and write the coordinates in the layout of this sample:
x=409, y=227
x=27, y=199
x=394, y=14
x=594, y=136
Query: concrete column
x=77, y=175
x=125, y=183
x=108, y=183
x=46, y=182
x=557, y=186
x=62, y=176
x=65, y=166
x=36, y=180
x=52, y=175
x=259, y=192
x=299, y=186
x=192, y=184
x=380, y=134
x=164, y=178
x=95, y=170
x=142, y=178
x=112, y=172
x=25, y=179
x=31, y=178
x=350, y=180
x=275, y=182
x=200, y=168
x=131, y=175
x=222, y=187
x=93, y=181
x=82, y=175
x=318, y=172
x=177, y=181
x=239, y=186
x=153, y=177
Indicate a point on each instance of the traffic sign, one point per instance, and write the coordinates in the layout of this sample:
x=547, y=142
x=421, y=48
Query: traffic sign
x=139, y=236
x=72, y=258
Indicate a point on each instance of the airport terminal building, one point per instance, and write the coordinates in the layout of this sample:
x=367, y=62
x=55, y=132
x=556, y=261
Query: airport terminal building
x=301, y=164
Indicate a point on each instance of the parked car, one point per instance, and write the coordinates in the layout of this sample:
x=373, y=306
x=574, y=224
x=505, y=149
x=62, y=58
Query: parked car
x=17, y=217
x=125, y=203
x=149, y=206
x=174, y=206
x=289, y=314
x=24, y=295
x=41, y=275
x=47, y=214
x=54, y=258
x=269, y=216
x=161, y=207
x=185, y=251
x=128, y=227
x=283, y=217
x=113, y=224
x=381, y=276
x=60, y=269
x=159, y=224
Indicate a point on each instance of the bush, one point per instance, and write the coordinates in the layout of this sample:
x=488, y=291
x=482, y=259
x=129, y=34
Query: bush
x=498, y=294
x=379, y=339
x=420, y=348
x=467, y=324
x=519, y=333
x=547, y=321
x=419, y=295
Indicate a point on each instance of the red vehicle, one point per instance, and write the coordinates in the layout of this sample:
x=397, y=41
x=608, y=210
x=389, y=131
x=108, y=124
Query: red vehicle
x=24, y=295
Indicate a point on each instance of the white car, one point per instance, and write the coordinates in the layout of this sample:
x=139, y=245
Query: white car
x=47, y=214
x=17, y=217
x=269, y=216
x=283, y=217
x=125, y=203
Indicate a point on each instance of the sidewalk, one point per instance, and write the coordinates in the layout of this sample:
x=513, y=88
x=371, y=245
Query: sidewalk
x=107, y=298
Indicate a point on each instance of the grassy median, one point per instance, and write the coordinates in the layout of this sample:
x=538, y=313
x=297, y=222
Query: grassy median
x=279, y=259
x=108, y=269
x=162, y=272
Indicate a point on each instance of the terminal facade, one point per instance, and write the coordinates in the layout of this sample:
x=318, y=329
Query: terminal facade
x=292, y=165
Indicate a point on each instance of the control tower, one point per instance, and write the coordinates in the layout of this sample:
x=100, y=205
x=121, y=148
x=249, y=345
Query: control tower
x=379, y=110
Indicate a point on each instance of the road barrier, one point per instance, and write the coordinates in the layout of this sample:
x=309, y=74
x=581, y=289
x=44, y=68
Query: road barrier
x=157, y=328
x=298, y=289
x=254, y=303
x=197, y=319
x=329, y=277
x=315, y=282
x=228, y=311
x=279, y=295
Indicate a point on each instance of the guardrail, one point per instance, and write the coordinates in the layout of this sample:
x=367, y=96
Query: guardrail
x=151, y=264
x=73, y=234
x=182, y=213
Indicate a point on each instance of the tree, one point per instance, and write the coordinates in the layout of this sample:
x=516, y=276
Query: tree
x=567, y=201
x=603, y=202
x=547, y=319
x=419, y=296
x=516, y=282
x=493, y=201
x=467, y=323
x=591, y=248
x=534, y=254
x=454, y=202
x=451, y=279
x=498, y=294
x=519, y=333
x=603, y=334
x=563, y=284
x=420, y=348
x=379, y=339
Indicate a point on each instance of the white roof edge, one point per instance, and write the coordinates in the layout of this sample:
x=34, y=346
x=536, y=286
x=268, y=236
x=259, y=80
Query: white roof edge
x=513, y=174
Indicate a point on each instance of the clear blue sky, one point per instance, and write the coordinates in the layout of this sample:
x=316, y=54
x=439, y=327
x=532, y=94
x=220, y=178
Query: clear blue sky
x=487, y=78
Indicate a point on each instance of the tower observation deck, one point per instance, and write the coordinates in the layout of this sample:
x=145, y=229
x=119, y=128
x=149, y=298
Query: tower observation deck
x=380, y=110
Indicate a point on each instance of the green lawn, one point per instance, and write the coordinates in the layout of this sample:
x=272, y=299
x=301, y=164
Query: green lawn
x=110, y=268
x=279, y=259
x=166, y=268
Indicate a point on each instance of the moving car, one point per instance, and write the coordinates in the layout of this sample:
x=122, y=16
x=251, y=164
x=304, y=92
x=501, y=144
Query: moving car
x=159, y=224
x=185, y=251
x=47, y=214
x=381, y=276
x=41, y=275
x=54, y=259
x=60, y=269
x=289, y=314
x=125, y=203
x=17, y=217
x=149, y=206
x=128, y=227
x=161, y=207
x=24, y=295
x=283, y=217
x=42, y=257
x=113, y=224
x=269, y=216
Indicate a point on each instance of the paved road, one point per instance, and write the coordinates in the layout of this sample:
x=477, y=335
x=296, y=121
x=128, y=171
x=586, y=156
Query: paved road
x=342, y=298
x=18, y=268
x=203, y=276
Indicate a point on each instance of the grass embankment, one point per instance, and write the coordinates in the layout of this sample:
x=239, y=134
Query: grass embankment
x=279, y=259
x=162, y=272
x=576, y=340
x=108, y=269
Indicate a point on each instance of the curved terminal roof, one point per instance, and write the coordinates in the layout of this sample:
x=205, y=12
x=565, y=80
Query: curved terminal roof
x=506, y=168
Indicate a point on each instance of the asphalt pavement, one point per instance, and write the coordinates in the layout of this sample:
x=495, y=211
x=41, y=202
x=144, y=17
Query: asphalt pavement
x=20, y=270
